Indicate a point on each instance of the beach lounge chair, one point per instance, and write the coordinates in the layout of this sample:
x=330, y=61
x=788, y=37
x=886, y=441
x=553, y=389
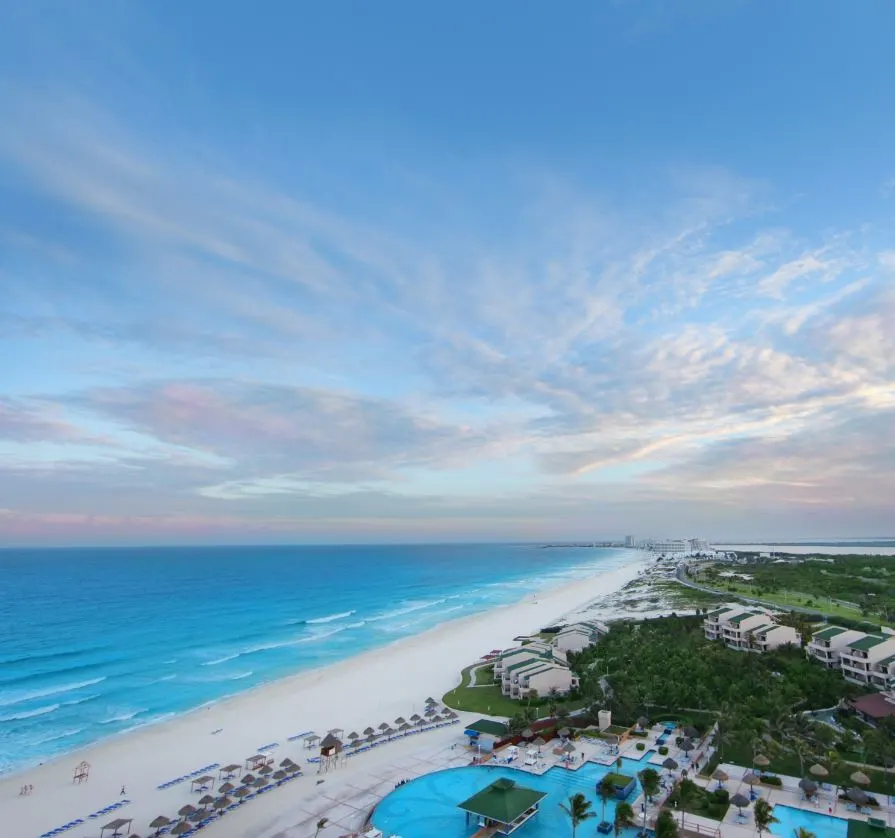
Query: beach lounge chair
x=876, y=823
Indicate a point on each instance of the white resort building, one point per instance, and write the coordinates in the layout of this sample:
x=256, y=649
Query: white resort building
x=578, y=636
x=748, y=629
x=863, y=658
x=535, y=666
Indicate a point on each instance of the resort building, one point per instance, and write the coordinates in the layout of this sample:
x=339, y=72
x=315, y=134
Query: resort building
x=529, y=651
x=578, y=636
x=867, y=659
x=543, y=677
x=747, y=628
x=827, y=644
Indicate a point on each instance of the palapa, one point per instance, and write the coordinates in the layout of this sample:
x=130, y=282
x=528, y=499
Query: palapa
x=353, y=735
x=242, y=792
x=818, y=770
x=750, y=778
x=808, y=786
x=762, y=760
x=400, y=720
x=415, y=717
x=279, y=775
x=720, y=775
x=384, y=726
x=248, y=779
x=368, y=731
x=225, y=788
x=185, y=811
x=669, y=763
x=222, y=803
x=205, y=800
x=181, y=827
x=857, y=796
x=159, y=822
x=740, y=800
x=860, y=778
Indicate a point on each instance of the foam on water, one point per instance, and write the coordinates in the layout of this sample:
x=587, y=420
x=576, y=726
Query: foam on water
x=245, y=616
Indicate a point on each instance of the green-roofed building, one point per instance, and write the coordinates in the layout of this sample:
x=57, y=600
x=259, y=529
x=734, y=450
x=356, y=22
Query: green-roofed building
x=503, y=807
x=828, y=633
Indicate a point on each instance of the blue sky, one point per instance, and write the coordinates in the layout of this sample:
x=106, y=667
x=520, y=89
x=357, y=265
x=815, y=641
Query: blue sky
x=418, y=271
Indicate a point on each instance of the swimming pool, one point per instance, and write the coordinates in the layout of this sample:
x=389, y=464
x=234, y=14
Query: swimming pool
x=822, y=825
x=427, y=807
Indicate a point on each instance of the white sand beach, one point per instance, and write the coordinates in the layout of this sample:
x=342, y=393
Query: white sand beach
x=370, y=688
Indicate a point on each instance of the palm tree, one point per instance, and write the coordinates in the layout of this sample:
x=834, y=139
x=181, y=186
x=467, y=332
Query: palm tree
x=801, y=832
x=666, y=825
x=763, y=813
x=606, y=791
x=624, y=816
x=320, y=824
x=649, y=781
x=578, y=810
x=687, y=792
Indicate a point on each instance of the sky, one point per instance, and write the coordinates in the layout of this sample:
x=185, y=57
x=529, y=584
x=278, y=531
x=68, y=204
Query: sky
x=401, y=271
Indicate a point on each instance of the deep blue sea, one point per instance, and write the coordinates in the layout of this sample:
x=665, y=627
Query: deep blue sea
x=96, y=642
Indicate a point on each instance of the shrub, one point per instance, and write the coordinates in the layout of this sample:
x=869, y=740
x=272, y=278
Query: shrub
x=641, y=746
x=771, y=780
x=663, y=751
x=639, y=733
x=721, y=795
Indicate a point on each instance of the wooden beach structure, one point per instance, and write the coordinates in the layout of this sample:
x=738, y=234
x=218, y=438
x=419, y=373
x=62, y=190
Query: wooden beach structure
x=330, y=749
x=82, y=772
x=502, y=808
x=116, y=826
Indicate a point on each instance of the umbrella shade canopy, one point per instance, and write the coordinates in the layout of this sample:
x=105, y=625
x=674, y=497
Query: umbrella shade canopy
x=355, y=744
x=750, y=778
x=404, y=726
x=860, y=778
x=400, y=721
x=421, y=722
x=670, y=764
x=229, y=768
x=222, y=803
x=384, y=726
x=266, y=770
x=762, y=760
x=415, y=717
x=242, y=792
x=183, y=811
x=564, y=732
x=450, y=714
x=260, y=783
x=431, y=700
x=539, y=742
x=720, y=775
x=431, y=711
x=353, y=735
x=368, y=731
x=528, y=733
x=279, y=775
x=808, y=786
x=569, y=748
x=182, y=827
x=225, y=788
x=159, y=822
x=286, y=762
x=690, y=732
x=856, y=796
x=643, y=721
x=818, y=770
x=249, y=778
x=206, y=799
x=389, y=731
x=687, y=745
x=371, y=737
x=739, y=800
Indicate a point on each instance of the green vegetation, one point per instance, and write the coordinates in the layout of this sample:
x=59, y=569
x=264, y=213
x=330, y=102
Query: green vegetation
x=578, y=809
x=618, y=781
x=763, y=814
x=844, y=587
x=484, y=676
x=695, y=800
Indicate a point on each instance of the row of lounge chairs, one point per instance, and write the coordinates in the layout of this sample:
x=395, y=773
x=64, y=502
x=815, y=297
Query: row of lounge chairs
x=117, y=805
x=191, y=776
x=269, y=747
x=60, y=829
x=298, y=736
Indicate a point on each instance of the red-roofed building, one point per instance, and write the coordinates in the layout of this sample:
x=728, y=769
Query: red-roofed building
x=874, y=707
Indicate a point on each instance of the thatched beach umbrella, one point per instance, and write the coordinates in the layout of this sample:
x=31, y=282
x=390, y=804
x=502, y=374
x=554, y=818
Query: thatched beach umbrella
x=669, y=763
x=857, y=796
x=400, y=721
x=260, y=783
x=421, y=722
x=528, y=733
x=750, y=778
x=353, y=735
x=740, y=801
x=818, y=770
x=389, y=731
x=226, y=788
x=808, y=786
x=643, y=722
x=384, y=727
x=431, y=711
x=222, y=803
x=354, y=744
x=564, y=733
x=159, y=822
x=186, y=811
x=539, y=742
x=404, y=727
x=249, y=778
x=431, y=700
x=279, y=775
x=368, y=731
x=690, y=733
x=181, y=827
x=415, y=717
x=687, y=745
x=371, y=739
x=205, y=800
x=286, y=762
x=860, y=778
x=762, y=760
x=265, y=770
x=242, y=793
x=720, y=775
x=568, y=748
x=450, y=714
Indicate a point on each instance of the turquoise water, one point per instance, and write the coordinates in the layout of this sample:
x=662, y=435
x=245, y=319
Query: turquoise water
x=427, y=807
x=97, y=642
x=823, y=826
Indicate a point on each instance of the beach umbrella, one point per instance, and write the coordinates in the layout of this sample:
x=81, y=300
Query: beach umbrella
x=528, y=733
x=187, y=810
x=750, y=778
x=720, y=775
x=687, y=746
x=569, y=748
x=224, y=788
x=260, y=783
x=242, y=792
x=134, y=836
x=860, y=778
x=286, y=762
x=205, y=800
x=690, y=732
x=431, y=700
x=279, y=775
x=818, y=770
x=159, y=822
x=762, y=760
x=368, y=731
x=400, y=721
x=404, y=727
x=450, y=714
x=354, y=744
x=669, y=763
x=266, y=770
x=539, y=742
x=643, y=721
x=384, y=727
x=181, y=827
x=249, y=778
x=353, y=735
x=808, y=786
x=856, y=796
x=371, y=738
x=739, y=800
x=415, y=717
x=564, y=733
x=389, y=731
x=222, y=803
x=229, y=769
x=431, y=711
x=421, y=722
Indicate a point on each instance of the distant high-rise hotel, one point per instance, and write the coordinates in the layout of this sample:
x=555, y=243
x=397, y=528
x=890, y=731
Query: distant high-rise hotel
x=629, y=541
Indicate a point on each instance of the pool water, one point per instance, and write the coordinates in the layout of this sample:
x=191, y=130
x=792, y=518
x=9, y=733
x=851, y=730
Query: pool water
x=427, y=807
x=822, y=825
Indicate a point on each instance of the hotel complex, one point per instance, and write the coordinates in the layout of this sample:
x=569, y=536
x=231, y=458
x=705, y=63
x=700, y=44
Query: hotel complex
x=747, y=628
x=863, y=658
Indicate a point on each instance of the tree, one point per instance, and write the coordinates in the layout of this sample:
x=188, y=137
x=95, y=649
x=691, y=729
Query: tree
x=763, y=813
x=605, y=791
x=687, y=792
x=624, y=817
x=320, y=825
x=562, y=712
x=801, y=832
x=649, y=781
x=666, y=825
x=578, y=810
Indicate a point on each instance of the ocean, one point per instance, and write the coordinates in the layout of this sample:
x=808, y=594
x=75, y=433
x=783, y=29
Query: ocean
x=97, y=642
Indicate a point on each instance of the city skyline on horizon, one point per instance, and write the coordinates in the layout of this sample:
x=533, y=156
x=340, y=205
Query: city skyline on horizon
x=390, y=277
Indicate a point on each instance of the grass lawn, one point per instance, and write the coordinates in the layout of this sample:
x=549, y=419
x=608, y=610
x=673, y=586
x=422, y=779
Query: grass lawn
x=859, y=829
x=484, y=676
x=788, y=764
x=703, y=803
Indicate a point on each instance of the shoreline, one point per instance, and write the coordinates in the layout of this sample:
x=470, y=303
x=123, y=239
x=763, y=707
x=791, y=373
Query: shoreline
x=374, y=685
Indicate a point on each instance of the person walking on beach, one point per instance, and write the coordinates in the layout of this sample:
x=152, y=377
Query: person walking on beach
x=123, y=791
